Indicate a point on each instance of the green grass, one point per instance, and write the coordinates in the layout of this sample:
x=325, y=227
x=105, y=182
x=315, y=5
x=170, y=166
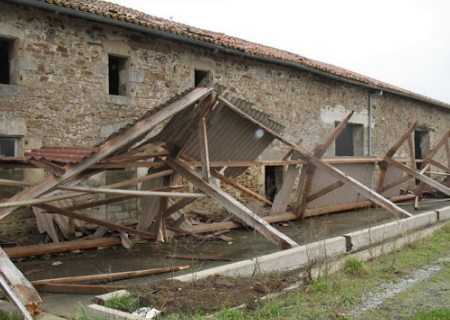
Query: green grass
x=354, y=266
x=128, y=303
x=440, y=314
x=4, y=316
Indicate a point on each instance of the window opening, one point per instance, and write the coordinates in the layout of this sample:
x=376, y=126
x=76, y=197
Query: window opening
x=8, y=146
x=5, y=60
x=116, y=75
x=202, y=78
x=350, y=142
x=421, y=145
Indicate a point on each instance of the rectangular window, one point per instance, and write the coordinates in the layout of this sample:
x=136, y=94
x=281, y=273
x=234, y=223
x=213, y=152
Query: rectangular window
x=202, y=78
x=9, y=146
x=6, y=46
x=351, y=141
x=117, y=75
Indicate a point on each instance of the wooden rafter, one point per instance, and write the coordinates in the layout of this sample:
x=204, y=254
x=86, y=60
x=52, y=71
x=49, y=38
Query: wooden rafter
x=138, y=130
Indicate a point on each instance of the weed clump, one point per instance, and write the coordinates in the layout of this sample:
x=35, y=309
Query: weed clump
x=354, y=266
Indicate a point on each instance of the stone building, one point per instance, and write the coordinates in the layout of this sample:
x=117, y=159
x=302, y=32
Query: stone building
x=73, y=72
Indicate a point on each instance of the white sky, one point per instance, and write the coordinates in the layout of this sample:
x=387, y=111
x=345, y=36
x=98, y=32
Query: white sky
x=402, y=42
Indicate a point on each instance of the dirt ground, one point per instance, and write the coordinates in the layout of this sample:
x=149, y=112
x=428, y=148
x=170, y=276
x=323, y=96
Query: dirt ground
x=209, y=295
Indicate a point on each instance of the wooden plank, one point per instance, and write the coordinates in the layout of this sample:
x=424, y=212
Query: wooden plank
x=177, y=206
x=109, y=276
x=49, y=166
x=281, y=200
x=19, y=285
x=420, y=176
x=14, y=299
x=412, y=155
x=138, y=130
x=438, y=165
x=40, y=249
x=360, y=188
x=78, y=288
x=204, y=150
x=137, y=157
x=232, y=205
x=240, y=187
x=216, y=164
x=143, y=148
x=125, y=165
x=109, y=225
x=324, y=191
x=198, y=257
x=447, y=153
x=395, y=183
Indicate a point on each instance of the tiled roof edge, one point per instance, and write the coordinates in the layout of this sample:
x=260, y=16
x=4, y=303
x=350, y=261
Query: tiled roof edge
x=127, y=18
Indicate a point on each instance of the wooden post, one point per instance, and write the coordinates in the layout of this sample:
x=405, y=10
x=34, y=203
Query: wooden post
x=203, y=145
x=232, y=205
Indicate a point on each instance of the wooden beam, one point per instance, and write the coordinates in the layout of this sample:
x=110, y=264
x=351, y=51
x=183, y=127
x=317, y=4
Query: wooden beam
x=109, y=276
x=232, y=205
x=177, y=206
x=360, y=188
x=138, y=130
x=412, y=155
x=384, y=164
x=10, y=294
x=395, y=183
x=138, y=150
x=204, y=150
x=19, y=285
x=40, y=249
x=49, y=166
x=420, y=176
x=78, y=288
x=324, y=191
x=240, y=187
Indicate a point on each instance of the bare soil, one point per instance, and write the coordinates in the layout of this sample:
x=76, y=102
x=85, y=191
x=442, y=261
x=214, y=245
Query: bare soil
x=207, y=295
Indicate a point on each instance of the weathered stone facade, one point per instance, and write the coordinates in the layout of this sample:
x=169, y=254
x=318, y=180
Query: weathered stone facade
x=59, y=87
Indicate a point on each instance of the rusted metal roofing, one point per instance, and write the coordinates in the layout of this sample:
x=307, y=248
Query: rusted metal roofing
x=120, y=13
x=58, y=154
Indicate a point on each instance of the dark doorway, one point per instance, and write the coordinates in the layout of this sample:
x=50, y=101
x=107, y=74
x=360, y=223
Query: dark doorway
x=273, y=181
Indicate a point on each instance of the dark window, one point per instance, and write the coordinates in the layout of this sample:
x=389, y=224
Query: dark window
x=350, y=142
x=5, y=59
x=116, y=68
x=202, y=78
x=8, y=147
x=273, y=181
x=421, y=145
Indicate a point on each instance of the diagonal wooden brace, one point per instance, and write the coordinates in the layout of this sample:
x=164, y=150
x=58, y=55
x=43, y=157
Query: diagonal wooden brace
x=232, y=205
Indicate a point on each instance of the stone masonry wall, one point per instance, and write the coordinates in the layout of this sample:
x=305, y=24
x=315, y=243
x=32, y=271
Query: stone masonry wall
x=60, y=91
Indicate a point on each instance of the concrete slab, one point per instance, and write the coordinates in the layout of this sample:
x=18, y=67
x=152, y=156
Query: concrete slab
x=286, y=260
x=444, y=214
x=419, y=221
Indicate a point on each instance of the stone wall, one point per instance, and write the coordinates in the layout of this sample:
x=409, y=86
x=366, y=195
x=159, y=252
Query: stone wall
x=59, y=91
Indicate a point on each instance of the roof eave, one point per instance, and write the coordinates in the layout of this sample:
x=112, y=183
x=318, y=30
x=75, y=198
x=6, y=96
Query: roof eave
x=212, y=46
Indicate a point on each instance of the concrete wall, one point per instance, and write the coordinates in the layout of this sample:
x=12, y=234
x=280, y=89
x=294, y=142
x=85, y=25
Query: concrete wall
x=60, y=94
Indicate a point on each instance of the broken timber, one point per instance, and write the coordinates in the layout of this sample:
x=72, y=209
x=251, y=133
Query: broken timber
x=137, y=131
x=17, y=287
x=232, y=205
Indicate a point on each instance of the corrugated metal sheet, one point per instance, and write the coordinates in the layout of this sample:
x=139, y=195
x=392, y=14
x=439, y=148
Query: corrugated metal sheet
x=360, y=171
x=230, y=137
x=61, y=154
x=392, y=175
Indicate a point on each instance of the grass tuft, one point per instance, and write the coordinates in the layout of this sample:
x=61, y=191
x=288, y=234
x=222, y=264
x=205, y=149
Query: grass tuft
x=354, y=266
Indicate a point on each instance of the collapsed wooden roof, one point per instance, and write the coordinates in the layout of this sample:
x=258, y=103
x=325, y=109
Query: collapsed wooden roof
x=202, y=129
x=199, y=128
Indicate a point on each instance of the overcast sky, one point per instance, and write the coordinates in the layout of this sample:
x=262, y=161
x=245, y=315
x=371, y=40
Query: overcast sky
x=402, y=42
